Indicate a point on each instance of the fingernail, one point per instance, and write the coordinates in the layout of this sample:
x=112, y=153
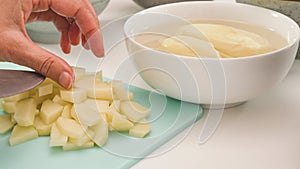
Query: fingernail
x=65, y=80
x=95, y=42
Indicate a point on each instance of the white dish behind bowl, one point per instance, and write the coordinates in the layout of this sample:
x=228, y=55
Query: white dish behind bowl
x=211, y=81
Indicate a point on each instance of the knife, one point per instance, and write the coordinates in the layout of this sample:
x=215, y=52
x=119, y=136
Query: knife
x=17, y=81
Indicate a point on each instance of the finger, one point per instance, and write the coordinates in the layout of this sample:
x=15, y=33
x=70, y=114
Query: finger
x=74, y=34
x=60, y=23
x=65, y=42
x=86, y=20
x=91, y=41
x=37, y=58
x=95, y=43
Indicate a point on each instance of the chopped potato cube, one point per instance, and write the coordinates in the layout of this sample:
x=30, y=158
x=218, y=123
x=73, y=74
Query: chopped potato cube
x=87, y=82
x=5, y=123
x=40, y=99
x=42, y=128
x=140, y=130
x=70, y=127
x=134, y=111
x=56, y=137
x=12, y=118
x=78, y=72
x=97, y=75
x=56, y=91
x=37, y=112
x=112, y=112
x=120, y=123
x=49, y=81
x=119, y=90
x=100, y=91
x=45, y=90
x=67, y=111
x=82, y=140
x=9, y=107
x=75, y=95
x=17, y=97
x=59, y=100
x=72, y=146
x=81, y=75
x=73, y=113
x=22, y=134
x=100, y=131
x=50, y=111
x=115, y=105
x=102, y=105
x=25, y=112
x=87, y=115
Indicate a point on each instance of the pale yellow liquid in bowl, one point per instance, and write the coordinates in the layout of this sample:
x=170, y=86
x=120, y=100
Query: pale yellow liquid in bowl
x=221, y=44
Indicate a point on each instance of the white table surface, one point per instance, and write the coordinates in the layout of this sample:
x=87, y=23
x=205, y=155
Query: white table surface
x=263, y=133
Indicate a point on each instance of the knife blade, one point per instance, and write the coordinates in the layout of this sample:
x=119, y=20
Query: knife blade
x=17, y=81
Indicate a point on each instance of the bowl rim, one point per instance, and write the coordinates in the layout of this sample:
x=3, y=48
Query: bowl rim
x=150, y=10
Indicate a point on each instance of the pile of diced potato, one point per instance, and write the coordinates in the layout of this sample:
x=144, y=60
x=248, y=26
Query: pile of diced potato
x=77, y=118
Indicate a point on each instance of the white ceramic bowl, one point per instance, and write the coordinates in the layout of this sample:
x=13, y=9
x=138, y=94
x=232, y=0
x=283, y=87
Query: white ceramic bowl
x=208, y=81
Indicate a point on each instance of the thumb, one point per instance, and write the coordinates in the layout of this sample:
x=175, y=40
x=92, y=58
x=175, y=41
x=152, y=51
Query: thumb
x=25, y=52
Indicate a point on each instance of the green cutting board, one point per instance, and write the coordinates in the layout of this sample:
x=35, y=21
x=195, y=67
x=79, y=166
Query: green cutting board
x=168, y=118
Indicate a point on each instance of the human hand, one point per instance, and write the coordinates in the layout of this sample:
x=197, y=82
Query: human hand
x=75, y=19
